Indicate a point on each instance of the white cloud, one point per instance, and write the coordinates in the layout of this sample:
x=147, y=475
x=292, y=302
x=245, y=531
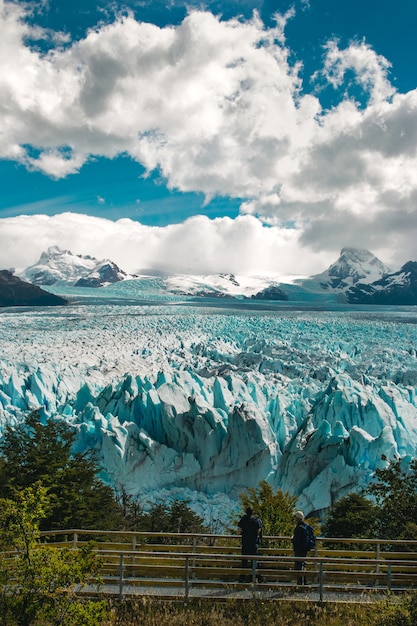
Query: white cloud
x=370, y=70
x=218, y=107
x=199, y=245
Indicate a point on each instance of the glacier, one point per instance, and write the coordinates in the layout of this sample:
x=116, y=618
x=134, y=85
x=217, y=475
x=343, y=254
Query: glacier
x=203, y=400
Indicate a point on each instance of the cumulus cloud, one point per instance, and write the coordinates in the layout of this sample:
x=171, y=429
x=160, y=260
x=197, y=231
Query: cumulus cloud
x=199, y=245
x=219, y=108
x=370, y=70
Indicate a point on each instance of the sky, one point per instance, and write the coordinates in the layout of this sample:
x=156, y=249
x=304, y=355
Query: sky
x=259, y=136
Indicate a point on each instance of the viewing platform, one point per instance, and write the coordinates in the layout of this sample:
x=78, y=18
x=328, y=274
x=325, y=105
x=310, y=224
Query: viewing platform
x=184, y=566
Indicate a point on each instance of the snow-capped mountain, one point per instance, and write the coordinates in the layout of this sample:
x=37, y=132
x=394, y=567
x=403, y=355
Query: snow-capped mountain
x=357, y=277
x=354, y=265
x=61, y=266
x=105, y=273
x=16, y=292
x=398, y=288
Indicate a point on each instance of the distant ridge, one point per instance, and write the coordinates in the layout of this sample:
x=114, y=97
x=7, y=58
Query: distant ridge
x=398, y=288
x=356, y=277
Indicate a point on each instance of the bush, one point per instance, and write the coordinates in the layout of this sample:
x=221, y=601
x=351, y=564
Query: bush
x=39, y=583
x=398, y=612
x=352, y=516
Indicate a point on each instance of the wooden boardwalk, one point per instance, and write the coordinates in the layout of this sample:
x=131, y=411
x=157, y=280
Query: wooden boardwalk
x=187, y=566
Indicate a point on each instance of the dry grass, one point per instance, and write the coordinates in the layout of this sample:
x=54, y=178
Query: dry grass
x=150, y=612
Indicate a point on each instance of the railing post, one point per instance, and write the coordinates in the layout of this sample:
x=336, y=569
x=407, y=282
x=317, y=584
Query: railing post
x=389, y=577
x=187, y=578
x=194, y=551
x=321, y=581
x=316, y=552
x=74, y=540
x=121, y=577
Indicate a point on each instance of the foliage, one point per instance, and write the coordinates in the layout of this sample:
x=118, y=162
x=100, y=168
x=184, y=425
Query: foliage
x=389, y=511
x=19, y=519
x=173, y=516
x=44, y=452
x=38, y=583
x=352, y=516
x=395, y=494
x=131, y=509
x=276, y=509
x=148, y=612
x=400, y=612
x=164, y=517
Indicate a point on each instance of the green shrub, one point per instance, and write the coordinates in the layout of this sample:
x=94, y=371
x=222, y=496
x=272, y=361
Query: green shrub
x=398, y=611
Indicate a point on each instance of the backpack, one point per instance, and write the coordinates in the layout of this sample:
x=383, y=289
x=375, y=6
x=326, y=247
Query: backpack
x=311, y=540
x=260, y=536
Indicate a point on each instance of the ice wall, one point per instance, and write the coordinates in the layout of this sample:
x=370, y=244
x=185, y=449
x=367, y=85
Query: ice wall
x=213, y=404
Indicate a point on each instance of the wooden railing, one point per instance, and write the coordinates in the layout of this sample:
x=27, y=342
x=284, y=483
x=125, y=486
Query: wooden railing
x=186, y=564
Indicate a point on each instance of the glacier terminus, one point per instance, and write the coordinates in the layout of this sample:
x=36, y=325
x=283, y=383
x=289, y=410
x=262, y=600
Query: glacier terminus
x=203, y=402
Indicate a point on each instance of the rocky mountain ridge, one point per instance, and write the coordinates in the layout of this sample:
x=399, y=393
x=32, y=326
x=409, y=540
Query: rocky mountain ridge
x=16, y=292
x=398, y=288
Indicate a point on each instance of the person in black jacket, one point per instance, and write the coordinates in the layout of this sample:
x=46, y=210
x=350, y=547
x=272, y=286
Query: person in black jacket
x=250, y=529
x=299, y=542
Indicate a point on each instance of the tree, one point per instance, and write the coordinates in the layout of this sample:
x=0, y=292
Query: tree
x=38, y=583
x=44, y=452
x=395, y=493
x=352, y=516
x=276, y=510
x=173, y=517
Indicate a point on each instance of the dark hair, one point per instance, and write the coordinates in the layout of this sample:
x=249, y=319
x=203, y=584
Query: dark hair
x=249, y=511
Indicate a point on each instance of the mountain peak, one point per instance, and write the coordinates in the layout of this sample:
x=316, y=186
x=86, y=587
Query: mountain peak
x=62, y=266
x=361, y=254
x=354, y=265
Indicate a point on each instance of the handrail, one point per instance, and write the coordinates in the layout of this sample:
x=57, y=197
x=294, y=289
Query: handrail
x=192, y=566
x=325, y=578
x=212, y=536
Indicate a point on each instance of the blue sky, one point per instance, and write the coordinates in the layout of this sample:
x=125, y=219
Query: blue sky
x=289, y=127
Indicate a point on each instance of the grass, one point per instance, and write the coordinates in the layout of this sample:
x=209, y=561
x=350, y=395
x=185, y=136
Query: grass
x=150, y=612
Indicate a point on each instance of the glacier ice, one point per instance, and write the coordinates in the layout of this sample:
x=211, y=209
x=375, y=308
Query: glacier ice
x=207, y=401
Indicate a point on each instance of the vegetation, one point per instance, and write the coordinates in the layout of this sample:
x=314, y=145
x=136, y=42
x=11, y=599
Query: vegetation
x=389, y=511
x=275, y=509
x=38, y=583
x=395, y=494
x=352, y=516
x=35, y=452
x=173, y=516
x=148, y=612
